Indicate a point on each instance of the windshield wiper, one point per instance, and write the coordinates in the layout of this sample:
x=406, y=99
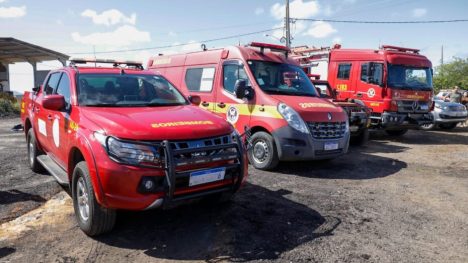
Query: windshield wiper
x=281, y=92
x=162, y=104
x=100, y=105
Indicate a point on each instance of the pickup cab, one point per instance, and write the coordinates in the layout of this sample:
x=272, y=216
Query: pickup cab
x=125, y=138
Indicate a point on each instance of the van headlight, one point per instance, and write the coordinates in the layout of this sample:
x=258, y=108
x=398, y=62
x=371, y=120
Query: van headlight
x=292, y=117
x=130, y=153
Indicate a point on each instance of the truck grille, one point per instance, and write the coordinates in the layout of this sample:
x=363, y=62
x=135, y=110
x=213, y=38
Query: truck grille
x=413, y=106
x=327, y=130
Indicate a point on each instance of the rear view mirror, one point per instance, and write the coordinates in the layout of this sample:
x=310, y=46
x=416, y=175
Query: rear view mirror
x=243, y=91
x=194, y=99
x=37, y=88
x=54, y=102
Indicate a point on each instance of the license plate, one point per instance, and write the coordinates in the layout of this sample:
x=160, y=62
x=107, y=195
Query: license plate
x=353, y=128
x=424, y=107
x=207, y=176
x=328, y=146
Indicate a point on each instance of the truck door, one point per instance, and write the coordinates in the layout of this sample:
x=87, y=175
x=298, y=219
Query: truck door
x=343, y=81
x=59, y=124
x=370, y=84
x=228, y=106
x=42, y=115
x=199, y=81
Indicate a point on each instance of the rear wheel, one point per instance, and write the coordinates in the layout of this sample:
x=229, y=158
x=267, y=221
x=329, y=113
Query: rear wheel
x=33, y=152
x=427, y=126
x=263, y=154
x=362, y=138
x=92, y=218
x=448, y=126
x=396, y=132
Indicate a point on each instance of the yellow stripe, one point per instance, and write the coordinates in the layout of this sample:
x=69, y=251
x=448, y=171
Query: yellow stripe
x=247, y=109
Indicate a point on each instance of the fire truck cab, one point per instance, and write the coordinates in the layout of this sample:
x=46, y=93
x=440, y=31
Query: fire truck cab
x=395, y=82
x=263, y=92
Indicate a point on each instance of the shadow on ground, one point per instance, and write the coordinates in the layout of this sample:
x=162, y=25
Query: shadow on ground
x=258, y=224
x=436, y=137
x=5, y=251
x=13, y=196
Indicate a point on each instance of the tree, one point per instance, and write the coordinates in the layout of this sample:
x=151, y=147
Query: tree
x=452, y=74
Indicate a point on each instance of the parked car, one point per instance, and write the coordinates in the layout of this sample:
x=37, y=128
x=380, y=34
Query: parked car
x=260, y=90
x=358, y=113
x=446, y=115
x=125, y=138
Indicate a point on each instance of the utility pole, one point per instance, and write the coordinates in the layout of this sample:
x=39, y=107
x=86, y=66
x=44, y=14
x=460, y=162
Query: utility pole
x=287, y=26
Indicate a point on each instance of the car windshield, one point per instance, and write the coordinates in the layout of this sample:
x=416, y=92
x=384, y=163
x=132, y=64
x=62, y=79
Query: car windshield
x=126, y=90
x=280, y=78
x=407, y=77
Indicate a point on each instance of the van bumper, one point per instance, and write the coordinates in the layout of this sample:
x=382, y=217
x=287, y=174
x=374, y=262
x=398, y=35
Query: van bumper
x=293, y=145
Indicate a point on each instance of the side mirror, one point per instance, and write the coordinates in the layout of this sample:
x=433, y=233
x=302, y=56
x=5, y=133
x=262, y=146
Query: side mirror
x=335, y=93
x=37, y=88
x=53, y=102
x=243, y=91
x=194, y=99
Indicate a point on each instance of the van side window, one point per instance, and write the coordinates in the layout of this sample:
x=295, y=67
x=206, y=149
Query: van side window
x=231, y=73
x=52, y=83
x=64, y=89
x=200, y=79
x=343, y=70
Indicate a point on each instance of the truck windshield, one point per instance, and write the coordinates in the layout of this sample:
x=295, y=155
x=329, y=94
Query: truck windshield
x=407, y=77
x=127, y=90
x=280, y=78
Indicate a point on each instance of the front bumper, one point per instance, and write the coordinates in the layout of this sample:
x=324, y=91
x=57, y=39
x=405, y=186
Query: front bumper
x=293, y=145
x=398, y=121
x=358, y=121
x=441, y=116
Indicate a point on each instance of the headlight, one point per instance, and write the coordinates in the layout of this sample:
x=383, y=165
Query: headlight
x=292, y=117
x=437, y=106
x=130, y=153
x=347, y=126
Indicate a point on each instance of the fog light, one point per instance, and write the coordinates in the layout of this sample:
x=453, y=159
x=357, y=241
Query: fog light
x=149, y=185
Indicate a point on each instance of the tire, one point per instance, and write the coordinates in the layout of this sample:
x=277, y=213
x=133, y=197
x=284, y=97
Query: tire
x=92, y=218
x=360, y=139
x=263, y=154
x=33, y=152
x=448, y=126
x=427, y=127
x=396, y=132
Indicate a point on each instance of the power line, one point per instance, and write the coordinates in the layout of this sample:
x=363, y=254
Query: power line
x=179, y=45
x=380, y=22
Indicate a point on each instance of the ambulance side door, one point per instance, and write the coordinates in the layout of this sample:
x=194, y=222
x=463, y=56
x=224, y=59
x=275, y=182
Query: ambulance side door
x=199, y=81
x=234, y=110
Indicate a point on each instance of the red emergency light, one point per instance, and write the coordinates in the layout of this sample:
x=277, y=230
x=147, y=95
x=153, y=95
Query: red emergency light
x=401, y=49
x=271, y=47
x=314, y=76
x=115, y=63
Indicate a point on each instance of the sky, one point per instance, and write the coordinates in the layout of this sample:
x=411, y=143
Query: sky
x=79, y=28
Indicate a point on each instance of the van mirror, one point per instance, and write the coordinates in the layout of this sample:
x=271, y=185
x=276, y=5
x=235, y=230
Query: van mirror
x=37, y=88
x=243, y=91
x=194, y=99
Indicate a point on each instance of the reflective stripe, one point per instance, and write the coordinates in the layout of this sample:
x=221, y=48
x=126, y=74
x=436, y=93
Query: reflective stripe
x=247, y=109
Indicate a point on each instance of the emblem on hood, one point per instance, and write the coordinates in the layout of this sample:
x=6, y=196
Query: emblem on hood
x=330, y=116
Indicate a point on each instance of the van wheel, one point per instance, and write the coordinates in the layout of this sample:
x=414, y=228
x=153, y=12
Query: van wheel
x=92, y=218
x=448, y=126
x=396, y=132
x=263, y=154
x=362, y=138
x=33, y=152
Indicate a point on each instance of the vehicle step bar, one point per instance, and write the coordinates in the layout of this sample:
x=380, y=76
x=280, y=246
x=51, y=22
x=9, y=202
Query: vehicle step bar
x=53, y=168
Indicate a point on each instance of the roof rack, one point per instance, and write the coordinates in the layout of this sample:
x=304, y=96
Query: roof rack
x=271, y=47
x=115, y=63
x=401, y=49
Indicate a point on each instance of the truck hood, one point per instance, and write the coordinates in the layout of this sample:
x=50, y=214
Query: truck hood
x=313, y=108
x=157, y=123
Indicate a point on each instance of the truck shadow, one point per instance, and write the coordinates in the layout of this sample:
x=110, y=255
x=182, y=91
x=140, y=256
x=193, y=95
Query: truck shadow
x=419, y=137
x=258, y=224
x=14, y=196
x=356, y=165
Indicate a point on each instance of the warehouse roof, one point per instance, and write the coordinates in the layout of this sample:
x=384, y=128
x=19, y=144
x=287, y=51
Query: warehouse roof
x=13, y=50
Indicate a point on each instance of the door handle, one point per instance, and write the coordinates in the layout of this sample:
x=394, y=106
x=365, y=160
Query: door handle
x=205, y=104
x=50, y=117
x=359, y=95
x=221, y=105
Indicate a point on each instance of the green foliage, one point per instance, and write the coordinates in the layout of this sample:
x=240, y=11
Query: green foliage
x=452, y=74
x=8, y=105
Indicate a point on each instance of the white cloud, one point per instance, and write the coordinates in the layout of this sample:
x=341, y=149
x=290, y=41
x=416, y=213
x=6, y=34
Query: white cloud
x=172, y=34
x=297, y=9
x=12, y=12
x=122, y=36
x=320, y=29
x=259, y=11
x=419, y=12
x=109, y=17
x=337, y=40
x=2, y=1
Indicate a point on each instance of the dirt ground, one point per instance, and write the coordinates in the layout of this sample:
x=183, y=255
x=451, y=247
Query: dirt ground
x=394, y=200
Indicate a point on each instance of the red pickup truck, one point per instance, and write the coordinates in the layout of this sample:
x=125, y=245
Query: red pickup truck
x=124, y=138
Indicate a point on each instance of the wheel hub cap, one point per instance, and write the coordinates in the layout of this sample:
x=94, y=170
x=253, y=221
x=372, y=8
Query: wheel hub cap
x=260, y=151
x=82, y=199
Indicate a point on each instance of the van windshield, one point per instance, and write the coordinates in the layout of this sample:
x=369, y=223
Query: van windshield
x=408, y=77
x=128, y=90
x=280, y=78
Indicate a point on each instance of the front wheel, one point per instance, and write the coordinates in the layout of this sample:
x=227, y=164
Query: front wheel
x=396, y=132
x=33, y=152
x=92, y=218
x=263, y=154
x=448, y=126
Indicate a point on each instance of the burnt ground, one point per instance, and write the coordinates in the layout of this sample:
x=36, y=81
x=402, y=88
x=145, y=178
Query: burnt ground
x=393, y=200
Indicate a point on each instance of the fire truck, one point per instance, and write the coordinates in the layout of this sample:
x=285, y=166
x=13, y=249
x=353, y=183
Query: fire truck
x=259, y=89
x=395, y=82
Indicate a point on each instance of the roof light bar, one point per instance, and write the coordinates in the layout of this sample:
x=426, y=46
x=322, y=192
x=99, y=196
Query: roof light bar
x=129, y=63
x=272, y=47
x=401, y=49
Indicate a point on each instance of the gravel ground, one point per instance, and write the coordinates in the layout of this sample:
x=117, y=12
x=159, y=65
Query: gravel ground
x=393, y=200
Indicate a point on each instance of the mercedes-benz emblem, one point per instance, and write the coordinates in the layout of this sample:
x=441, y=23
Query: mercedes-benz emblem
x=415, y=105
x=329, y=116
